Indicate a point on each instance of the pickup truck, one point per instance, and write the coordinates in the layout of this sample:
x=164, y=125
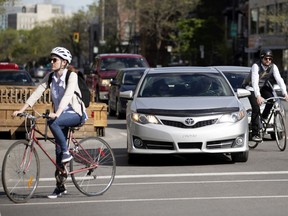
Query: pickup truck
x=105, y=68
x=13, y=97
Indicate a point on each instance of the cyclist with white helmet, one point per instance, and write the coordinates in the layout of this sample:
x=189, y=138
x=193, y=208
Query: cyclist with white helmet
x=68, y=109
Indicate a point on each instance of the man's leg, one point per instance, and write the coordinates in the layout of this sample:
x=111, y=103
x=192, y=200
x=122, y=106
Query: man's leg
x=255, y=118
x=266, y=92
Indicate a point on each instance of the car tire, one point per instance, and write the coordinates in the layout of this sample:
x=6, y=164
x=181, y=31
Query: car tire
x=111, y=112
x=119, y=114
x=240, y=156
x=97, y=95
x=273, y=136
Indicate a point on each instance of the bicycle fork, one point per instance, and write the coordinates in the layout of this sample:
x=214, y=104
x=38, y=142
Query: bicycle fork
x=26, y=162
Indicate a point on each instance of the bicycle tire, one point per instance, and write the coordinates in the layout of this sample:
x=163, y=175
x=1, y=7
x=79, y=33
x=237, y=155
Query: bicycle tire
x=20, y=175
x=280, y=131
x=253, y=144
x=94, y=181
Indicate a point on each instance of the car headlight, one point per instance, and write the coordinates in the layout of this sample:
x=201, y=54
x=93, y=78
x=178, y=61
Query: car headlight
x=105, y=82
x=144, y=118
x=233, y=117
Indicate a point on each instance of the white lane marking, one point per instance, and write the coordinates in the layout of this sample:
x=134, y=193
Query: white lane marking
x=190, y=175
x=200, y=182
x=148, y=200
x=203, y=174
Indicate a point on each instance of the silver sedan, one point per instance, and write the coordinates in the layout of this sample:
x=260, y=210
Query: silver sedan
x=186, y=110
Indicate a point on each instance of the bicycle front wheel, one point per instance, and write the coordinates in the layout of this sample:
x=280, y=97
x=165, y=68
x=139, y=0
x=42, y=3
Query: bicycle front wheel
x=93, y=166
x=20, y=171
x=280, y=131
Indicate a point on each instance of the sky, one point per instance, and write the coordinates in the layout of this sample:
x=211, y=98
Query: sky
x=70, y=5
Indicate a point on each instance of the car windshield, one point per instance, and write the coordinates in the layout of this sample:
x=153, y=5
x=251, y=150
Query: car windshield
x=132, y=78
x=118, y=63
x=184, y=85
x=236, y=78
x=15, y=78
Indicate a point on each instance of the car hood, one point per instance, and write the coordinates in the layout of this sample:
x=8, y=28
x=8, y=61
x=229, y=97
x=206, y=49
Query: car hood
x=184, y=106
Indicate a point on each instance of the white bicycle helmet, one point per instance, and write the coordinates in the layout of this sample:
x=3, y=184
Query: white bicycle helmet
x=63, y=53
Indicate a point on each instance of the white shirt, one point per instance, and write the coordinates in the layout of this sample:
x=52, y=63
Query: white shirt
x=255, y=79
x=58, y=86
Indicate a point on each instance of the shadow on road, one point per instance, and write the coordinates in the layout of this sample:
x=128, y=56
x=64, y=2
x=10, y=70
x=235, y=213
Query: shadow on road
x=122, y=159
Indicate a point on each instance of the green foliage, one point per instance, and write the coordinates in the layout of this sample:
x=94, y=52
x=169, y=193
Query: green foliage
x=158, y=22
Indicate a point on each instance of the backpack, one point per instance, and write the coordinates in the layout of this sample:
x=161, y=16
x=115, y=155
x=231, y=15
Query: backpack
x=85, y=92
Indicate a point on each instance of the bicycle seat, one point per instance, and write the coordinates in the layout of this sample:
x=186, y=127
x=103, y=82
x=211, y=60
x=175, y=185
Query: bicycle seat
x=75, y=128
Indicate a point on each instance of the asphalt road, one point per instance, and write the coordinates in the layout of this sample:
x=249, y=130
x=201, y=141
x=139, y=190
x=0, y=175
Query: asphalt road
x=169, y=185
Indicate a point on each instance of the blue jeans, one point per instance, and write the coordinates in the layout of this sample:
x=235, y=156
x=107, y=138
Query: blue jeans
x=59, y=128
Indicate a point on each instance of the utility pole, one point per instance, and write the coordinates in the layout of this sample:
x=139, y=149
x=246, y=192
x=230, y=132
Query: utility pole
x=102, y=40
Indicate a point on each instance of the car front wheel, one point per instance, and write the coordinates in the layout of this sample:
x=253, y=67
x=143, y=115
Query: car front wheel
x=240, y=156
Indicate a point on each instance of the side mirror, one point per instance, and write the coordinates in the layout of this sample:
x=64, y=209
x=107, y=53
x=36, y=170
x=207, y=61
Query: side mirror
x=113, y=82
x=241, y=93
x=127, y=94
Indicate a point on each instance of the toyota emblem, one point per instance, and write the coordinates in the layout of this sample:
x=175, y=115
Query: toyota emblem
x=189, y=121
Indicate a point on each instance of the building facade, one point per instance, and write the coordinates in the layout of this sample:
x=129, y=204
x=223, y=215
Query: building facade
x=268, y=28
x=26, y=17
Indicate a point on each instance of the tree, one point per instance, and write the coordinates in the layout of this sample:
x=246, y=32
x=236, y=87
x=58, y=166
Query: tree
x=2, y=3
x=158, y=19
x=184, y=38
x=8, y=40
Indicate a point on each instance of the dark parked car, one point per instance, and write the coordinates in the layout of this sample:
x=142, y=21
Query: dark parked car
x=16, y=77
x=126, y=80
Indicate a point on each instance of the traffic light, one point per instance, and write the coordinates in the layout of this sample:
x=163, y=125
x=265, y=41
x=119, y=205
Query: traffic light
x=76, y=37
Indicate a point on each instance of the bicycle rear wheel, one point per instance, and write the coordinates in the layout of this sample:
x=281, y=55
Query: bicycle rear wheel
x=93, y=166
x=20, y=171
x=280, y=131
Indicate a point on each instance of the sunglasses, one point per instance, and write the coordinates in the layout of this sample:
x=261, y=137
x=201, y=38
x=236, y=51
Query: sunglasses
x=53, y=60
x=268, y=59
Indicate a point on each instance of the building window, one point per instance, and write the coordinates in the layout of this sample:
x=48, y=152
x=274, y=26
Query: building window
x=262, y=20
x=283, y=11
x=271, y=25
x=253, y=21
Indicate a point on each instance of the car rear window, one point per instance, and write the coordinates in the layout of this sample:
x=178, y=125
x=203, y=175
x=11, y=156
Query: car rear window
x=118, y=63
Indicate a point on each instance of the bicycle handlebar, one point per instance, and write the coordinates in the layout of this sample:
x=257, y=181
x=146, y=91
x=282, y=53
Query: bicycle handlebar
x=273, y=98
x=30, y=116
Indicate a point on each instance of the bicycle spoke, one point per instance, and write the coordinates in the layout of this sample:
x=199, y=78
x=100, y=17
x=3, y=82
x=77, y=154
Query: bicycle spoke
x=93, y=166
x=20, y=172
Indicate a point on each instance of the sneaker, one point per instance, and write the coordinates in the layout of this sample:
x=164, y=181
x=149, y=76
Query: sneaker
x=256, y=138
x=66, y=157
x=57, y=193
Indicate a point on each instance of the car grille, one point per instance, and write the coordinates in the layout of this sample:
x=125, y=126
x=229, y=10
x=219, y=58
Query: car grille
x=181, y=125
x=190, y=145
